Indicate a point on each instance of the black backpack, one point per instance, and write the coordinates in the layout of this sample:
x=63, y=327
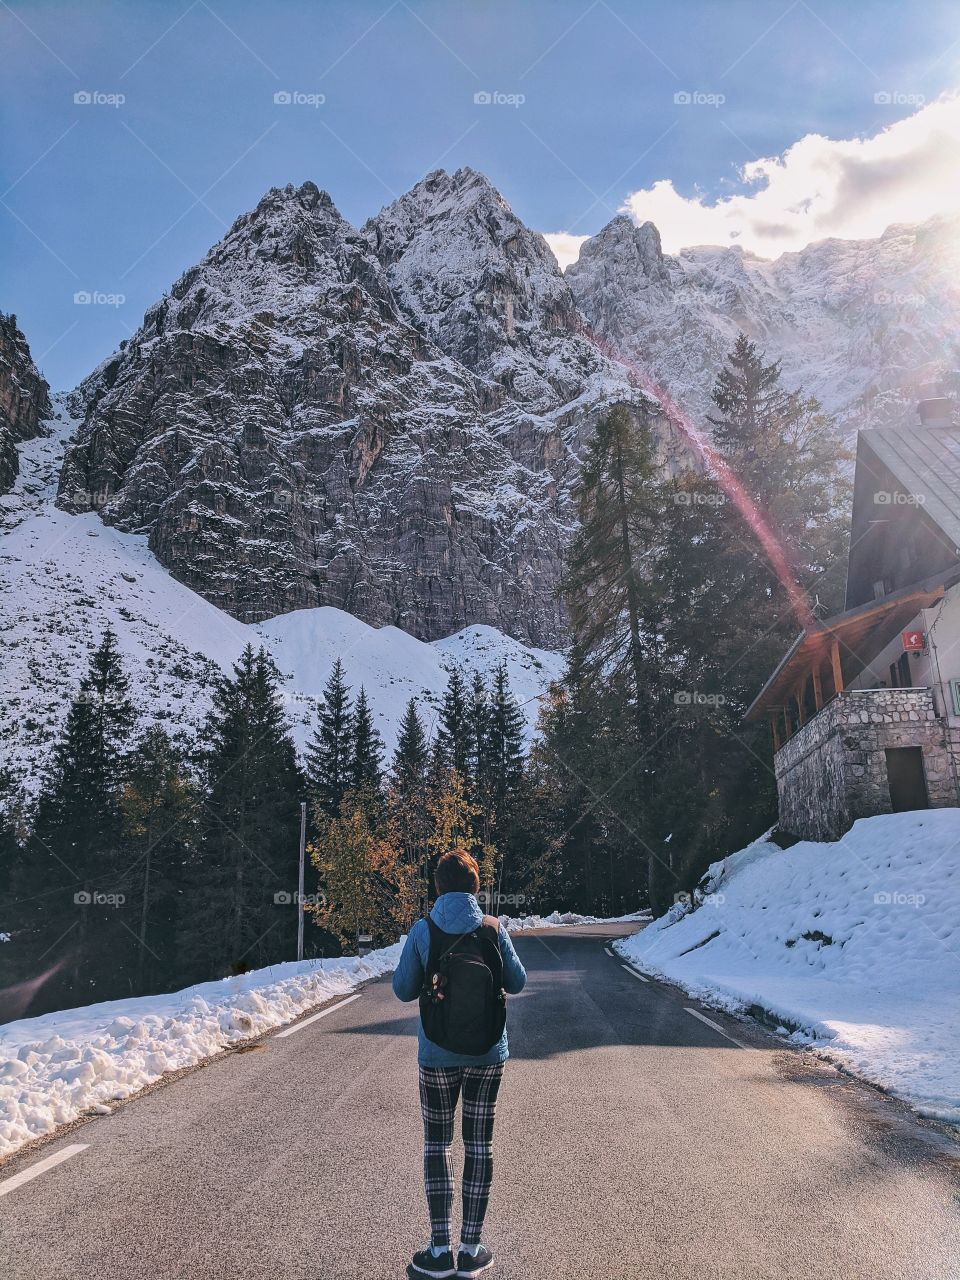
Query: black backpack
x=463, y=1006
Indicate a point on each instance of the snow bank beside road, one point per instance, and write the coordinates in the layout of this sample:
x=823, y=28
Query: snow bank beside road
x=854, y=944
x=558, y=918
x=57, y=1067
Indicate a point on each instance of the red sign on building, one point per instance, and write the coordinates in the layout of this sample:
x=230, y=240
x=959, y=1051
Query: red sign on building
x=912, y=641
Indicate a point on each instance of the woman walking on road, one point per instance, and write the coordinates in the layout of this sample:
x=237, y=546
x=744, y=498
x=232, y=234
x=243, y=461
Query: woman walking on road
x=460, y=963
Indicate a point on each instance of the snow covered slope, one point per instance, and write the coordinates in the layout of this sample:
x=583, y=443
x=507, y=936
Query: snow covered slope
x=862, y=324
x=854, y=945
x=64, y=578
x=65, y=1064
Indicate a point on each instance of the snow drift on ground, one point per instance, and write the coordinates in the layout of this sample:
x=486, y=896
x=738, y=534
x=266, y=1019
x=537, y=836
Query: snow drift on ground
x=62, y=1065
x=57, y=1067
x=64, y=578
x=854, y=945
x=558, y=918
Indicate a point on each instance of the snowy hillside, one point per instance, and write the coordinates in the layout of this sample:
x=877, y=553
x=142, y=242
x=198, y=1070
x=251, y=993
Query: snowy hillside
x=862, y=324
x=64, y=578
x=853, y=945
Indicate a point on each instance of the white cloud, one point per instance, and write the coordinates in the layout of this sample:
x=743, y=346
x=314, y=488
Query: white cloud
x=566, y=247
x=821, y=187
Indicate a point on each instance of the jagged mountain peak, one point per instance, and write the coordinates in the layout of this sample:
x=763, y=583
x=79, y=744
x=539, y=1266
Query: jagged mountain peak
x=861, y=324
x=294, y=239
x=388, y=420
x=464, y=218
x=441, y=193
x=484, y=286
x=627, y=255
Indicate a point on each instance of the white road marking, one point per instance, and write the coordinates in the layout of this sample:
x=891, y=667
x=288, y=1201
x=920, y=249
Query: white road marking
x=710, y=1023
x=634, y=973
x=298, y=1026
x=609, y=953
x=548, y=947
x=18, y=1179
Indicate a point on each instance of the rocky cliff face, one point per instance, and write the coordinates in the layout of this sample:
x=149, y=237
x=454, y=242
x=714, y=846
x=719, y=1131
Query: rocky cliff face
x=24, y=399
x=388, y=421
x=865, y=325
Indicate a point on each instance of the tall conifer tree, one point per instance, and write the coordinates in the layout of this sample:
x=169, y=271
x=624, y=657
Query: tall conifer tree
x=69, y=875
x=454, y=739
x=246, y=873
x=366, y=768
x=330, y=753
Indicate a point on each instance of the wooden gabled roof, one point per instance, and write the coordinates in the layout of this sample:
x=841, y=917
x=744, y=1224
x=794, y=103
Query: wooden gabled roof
x=859, y=635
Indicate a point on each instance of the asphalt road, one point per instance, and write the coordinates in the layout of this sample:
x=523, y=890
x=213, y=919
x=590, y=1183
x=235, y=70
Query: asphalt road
x=633, y=1140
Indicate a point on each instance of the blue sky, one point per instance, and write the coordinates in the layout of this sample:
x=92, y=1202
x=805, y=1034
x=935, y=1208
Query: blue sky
x=118, y=199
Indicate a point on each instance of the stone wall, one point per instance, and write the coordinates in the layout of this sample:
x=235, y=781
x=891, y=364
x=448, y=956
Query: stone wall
x=834, y=770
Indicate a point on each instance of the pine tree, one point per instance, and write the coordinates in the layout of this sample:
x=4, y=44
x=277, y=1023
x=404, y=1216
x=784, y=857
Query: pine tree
x=786, y=454
x=611, y=593
x=606, y=585
x=366, y=766
x=330, y=753
x=682, y=630
x=245, y=876
x=478, y=730
x=505, y=737
x=9, y=842
x=159, y=807
x=503, y=769
x=584, y=762
x=740, y=547
x=479, y=780
x=407, y=797
x=412, y=756
x=454, y=740
x=78, y=925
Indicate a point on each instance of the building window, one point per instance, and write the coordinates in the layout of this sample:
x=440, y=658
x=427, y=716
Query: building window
x=955, y=692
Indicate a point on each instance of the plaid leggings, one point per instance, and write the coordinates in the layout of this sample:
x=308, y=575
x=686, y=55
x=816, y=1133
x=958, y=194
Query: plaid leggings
x=440, y=1088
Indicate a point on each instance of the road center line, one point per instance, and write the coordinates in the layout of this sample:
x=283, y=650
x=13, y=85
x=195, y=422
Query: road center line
x=710, y=1023
x=633, y=973
x=298, y=1026
x=58, y=1157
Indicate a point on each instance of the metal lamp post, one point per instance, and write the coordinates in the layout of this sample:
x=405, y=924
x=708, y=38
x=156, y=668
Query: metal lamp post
x=303, y=848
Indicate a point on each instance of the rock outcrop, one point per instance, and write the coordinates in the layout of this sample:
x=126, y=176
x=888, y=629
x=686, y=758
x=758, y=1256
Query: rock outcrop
x=387, y=421
x=24, y=398
x=865, y=325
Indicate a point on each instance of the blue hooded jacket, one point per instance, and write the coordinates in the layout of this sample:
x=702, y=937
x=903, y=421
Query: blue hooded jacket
x=454, y=913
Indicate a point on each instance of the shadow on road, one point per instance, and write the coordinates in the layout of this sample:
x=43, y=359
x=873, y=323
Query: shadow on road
x=577, y=998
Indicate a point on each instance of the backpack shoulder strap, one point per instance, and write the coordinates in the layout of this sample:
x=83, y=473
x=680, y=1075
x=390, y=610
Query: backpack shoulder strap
x=491, y=926
x=489, y=932
x=436, y=944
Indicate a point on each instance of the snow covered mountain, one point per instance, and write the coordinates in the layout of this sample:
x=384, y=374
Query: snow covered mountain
x=388, y=422
x=864, y=325
x=65, y=577
x=349, y=442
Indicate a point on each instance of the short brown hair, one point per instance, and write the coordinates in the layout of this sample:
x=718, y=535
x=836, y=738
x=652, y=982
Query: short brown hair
x=457, y=872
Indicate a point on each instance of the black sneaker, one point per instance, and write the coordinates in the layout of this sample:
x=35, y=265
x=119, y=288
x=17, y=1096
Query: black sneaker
x=426, y=1263
x=470, y=1265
